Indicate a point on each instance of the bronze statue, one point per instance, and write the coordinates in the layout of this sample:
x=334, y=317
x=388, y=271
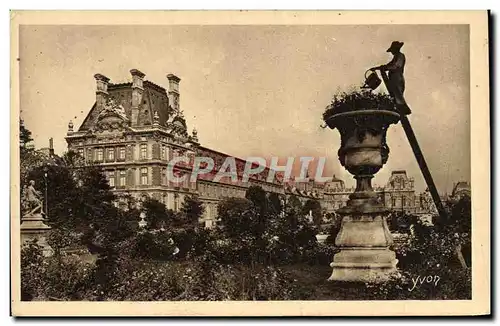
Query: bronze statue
x=33, y=199
x=396, y=67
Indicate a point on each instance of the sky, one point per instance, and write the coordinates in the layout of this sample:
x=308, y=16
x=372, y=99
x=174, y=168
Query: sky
x=260, y=90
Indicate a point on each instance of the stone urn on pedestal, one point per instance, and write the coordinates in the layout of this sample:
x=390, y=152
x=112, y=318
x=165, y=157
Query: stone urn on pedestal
x=362, y=119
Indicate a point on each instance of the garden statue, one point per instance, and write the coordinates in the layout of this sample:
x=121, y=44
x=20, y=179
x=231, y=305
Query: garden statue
x=32, y=221
x=396, y=67
x=396, y=79
x=32, y=198
x=142, y=222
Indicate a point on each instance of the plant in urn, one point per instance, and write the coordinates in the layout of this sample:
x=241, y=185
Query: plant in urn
x=362, y=119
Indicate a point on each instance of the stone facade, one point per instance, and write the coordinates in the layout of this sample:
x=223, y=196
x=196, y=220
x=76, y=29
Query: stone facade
x=336, y=195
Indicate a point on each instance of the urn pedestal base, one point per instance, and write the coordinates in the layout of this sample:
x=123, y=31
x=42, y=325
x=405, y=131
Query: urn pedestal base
x=364, y=256
x=34, y=228
x=363, y=265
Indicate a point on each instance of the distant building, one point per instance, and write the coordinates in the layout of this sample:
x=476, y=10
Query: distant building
x=48, y=156
x=461, y=189
x=399, y=193
x=336, y=195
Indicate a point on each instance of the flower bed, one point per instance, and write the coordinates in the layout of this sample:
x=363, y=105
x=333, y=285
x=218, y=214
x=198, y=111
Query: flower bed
x=358, y=100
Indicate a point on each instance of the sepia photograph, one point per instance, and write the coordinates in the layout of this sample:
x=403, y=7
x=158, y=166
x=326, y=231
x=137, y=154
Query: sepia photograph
x=272, y=163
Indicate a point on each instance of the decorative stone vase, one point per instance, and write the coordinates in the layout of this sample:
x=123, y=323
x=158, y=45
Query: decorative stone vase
x=321, y=238
x=364, y=237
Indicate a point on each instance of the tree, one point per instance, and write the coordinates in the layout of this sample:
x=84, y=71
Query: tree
x=258, y=197
x=313, y=206
x=275, y=203
x=296, y=231
x=62, y=201
x=73, y=161
x=157, y=214
x=242, y=230
x=24, y=137
x=460, y=214
x=440, y=245
x=293, y=203
x=80, y=206
x=192, y=209
x=29, y=157
x=237, y=217
x=334, y=229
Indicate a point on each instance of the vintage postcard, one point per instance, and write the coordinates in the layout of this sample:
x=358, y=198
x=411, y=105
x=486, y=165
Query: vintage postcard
x=250, y=163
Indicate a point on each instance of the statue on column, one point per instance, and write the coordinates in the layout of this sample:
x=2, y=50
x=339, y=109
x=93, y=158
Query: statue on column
x=33, y=200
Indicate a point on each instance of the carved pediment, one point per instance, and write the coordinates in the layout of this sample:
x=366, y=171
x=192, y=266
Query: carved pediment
x=112, y=109
x=111, y=123
x=177, y=126
x=112, y=117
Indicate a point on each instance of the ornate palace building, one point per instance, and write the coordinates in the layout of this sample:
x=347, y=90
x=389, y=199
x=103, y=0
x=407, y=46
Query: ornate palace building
x=134, y=129
x=399, y=193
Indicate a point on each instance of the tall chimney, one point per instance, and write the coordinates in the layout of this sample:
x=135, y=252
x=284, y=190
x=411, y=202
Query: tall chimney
x=137, y=90
x=51, y=146
x=173, y=91
x=101, y=89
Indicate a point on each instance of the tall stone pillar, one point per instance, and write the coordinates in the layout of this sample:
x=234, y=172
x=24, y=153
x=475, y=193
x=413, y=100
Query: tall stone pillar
x=173, y=92
x=137, y=92
x=101, y=90
x=364, y=237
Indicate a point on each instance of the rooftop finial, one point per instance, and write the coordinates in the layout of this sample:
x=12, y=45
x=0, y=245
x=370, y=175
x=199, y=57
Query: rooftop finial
x=156, y=118
x=195, y=134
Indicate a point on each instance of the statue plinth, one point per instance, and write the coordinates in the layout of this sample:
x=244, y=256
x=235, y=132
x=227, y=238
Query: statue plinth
x=34, y=228
x=364, y=236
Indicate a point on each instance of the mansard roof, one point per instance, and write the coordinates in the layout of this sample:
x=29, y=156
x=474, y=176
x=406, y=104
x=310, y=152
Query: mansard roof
x=461, y=186
x=154, y=99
